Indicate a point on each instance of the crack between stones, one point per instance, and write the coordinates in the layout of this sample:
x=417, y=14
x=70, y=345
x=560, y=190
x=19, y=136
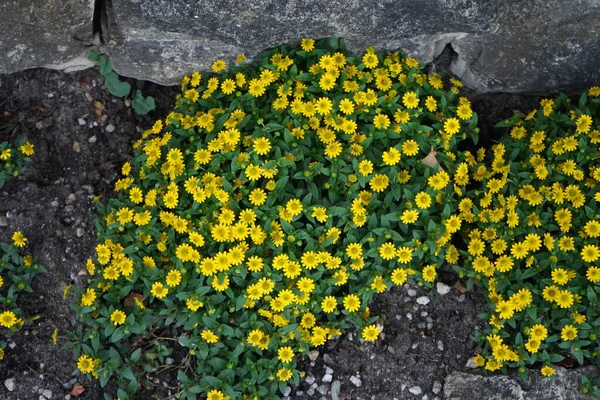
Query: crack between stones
x=98, y=34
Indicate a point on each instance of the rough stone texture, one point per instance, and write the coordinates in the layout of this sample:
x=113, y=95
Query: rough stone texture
x=540, y=46
x=49, y=33
x=509, y=46
x=161, y=40
x=463, y=386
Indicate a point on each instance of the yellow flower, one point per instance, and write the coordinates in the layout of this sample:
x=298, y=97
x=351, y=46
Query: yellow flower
x=85, y=364
x=547, y=371
x=27, y=149
x=18, y=239
x=88, y=297
x=564, y=299
x=568, y=332
x=158, y=290
x=329, y=304
x=285, y=354
x=351, y=303
x=307, y=44
x=409, y=216
x=370, y=333
x=218, y=66
x=593, y=274
x=215, y=395
x=209, y=336
x=8, y=319
x=410, y=100
x=173, y=278
x=429, y=273
x=451, y=126
x=590, y=253
x=284, y=374
x=379, y=182
x=118, y=317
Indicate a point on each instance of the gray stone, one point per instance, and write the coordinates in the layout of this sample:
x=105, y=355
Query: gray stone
x=356, y=381
x=10, y=384
x=565, y=386
x=309, y=379
x=423, y=300
x=411, y=292
x=51, y=33
x=415, y=390
x=336, y=387
x=437, y=387
x=538, y=46
x=442, y=288
x=162, y=40
x=110, y=128
x=327, y=378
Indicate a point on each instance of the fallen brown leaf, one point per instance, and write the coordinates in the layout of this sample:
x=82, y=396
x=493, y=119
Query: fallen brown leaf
x=77, y=390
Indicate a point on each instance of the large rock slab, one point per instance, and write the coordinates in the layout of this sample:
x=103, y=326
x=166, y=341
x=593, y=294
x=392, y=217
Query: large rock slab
x=565, y=386
x=161, y=40
x=51, y=33
x=501, y=46
x=539, y=46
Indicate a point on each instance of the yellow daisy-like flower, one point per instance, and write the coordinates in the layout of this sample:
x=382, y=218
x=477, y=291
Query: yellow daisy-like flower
x=18, y=239
x=218, y=66
x=8, y=319
x=568, y=332
x=547, y=371
x=285, y=354
x=429, y=273
x=158, y=290
x=85, y=364
x=451, y=126
x=370, y=333
x=410, y=100
x=351, y=303
x=284, y=374
x=118, y=317
x=209, y=336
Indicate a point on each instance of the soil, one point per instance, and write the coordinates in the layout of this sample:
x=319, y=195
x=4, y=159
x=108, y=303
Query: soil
x=66, y=117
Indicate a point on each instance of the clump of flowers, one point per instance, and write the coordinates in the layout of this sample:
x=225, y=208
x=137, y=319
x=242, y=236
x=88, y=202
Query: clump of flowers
x=16, y=272
x=261, y=216
x=532, y=242
x=12, y=160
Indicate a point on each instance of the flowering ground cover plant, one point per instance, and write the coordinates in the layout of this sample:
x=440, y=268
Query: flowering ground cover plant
x=261, y=216
x=533, y=238
x=16, y=272
x=12, y=160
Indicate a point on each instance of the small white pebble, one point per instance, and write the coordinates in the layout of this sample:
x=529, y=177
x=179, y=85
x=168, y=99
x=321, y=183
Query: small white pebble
x=356, y=381
x=110, y=128
x=415, y=390
x=10, y=384
x=442, y=288
x=328, y=371
x=423, y=300
x=327, y=378
x=411, y=292
x=81, y=121
x=471, y=363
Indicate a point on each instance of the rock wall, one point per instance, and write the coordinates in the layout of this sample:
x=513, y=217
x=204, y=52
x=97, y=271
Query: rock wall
x=534, y=46
x=49, y=33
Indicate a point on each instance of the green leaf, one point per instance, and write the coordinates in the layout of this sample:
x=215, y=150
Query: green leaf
x=115, y=86
x=142, y=105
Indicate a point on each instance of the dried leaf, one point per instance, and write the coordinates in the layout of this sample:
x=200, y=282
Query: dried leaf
x=430, y=159
x=77, y=390
x=133, y=299
x=66, y=291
